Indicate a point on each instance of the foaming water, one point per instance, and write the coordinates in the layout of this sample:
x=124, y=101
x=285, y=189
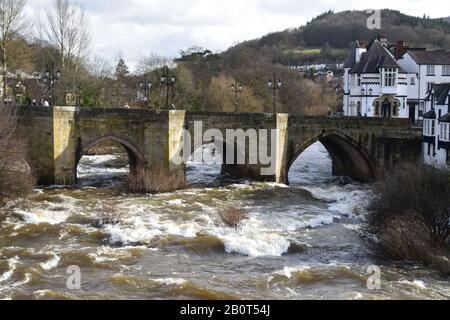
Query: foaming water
x=297, y=242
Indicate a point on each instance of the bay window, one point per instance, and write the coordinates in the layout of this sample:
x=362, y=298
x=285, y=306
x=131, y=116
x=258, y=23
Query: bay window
x=390, y=77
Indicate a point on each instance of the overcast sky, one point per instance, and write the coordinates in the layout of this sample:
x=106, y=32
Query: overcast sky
x=135, y=28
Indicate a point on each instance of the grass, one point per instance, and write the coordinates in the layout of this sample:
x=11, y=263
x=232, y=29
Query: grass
x=155, y=181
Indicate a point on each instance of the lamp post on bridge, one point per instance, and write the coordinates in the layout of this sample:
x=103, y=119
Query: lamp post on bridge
x=146, y=86
x=169, y=82
x=236, y=89
x=275, y=86
x=50, y=78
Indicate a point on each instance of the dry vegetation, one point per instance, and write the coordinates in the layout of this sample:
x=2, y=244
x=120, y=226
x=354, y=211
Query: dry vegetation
x=155, y=181
x=108, y=215
x=410, y=214
x=233, y=217
x=16, y=179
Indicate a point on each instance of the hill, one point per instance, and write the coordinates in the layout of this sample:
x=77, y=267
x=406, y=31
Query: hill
x=327, y=36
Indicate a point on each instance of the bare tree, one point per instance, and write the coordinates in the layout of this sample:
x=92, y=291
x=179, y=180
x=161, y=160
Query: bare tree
x=15, y=174
x=68, y=30
x=153, y=62
x=101, y=72
x=13, y=24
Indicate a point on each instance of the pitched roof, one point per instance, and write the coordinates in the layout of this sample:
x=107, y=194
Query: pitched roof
x=445, y=118
x=430, y=57
x=430, y=115
x=376, y=57
x=441, y=92
x=351, y=59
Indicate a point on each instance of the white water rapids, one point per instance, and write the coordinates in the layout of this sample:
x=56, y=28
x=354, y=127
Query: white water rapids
x=299, y=242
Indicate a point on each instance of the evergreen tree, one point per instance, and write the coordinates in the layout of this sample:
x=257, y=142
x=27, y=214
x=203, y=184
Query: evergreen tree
x=121, y=74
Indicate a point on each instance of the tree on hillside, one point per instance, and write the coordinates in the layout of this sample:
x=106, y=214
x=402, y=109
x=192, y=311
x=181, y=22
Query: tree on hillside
x=152, y=62
x=13, y=26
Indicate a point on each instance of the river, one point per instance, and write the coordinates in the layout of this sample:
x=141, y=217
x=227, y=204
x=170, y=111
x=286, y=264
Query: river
x=305, y=241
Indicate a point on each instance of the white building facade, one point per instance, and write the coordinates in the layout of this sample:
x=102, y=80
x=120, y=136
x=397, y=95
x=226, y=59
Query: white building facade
x=424, y=68
x=391, y=82
x=436, y=127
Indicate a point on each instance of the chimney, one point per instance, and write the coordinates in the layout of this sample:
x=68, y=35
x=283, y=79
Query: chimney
x=400, y=49
x=383, y=39
x=360, y=49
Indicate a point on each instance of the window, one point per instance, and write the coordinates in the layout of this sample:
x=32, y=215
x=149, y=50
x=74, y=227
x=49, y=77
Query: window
x=358, y=109
x=390, y=77
x=413, y=81
x=430, y=70
x=377, y=108
x=429, y=86
x=429, y=127
x=448, y=157
x=446, y=70
x=358, y=80
x=396, y=109
x=445, y=130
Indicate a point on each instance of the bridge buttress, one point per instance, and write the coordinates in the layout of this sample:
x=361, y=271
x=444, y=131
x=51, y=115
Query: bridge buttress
x=282, y=149
x=64, y=145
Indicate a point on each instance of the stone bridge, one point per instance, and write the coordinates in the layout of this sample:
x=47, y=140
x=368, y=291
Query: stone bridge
x=361, y=148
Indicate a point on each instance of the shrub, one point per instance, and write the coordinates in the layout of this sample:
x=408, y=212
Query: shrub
x=232, y=217
x=410, y=213
x=108, y=215
x=155, y=181
x=16, y=178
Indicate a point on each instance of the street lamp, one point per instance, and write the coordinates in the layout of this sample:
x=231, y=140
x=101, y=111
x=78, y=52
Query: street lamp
x=366, y=93
x=169, y=82
x=50, y=78
x=236, y=89
x=275, y=85
x=146, y=86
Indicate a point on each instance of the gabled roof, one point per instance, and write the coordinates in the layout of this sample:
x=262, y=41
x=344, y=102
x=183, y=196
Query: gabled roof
x=351, y=59
x=421, y=56
x=445, y=118
x=441, y=92
x=376, y=57
x=430, y=115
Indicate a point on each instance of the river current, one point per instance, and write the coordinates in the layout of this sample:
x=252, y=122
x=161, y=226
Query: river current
x=305, y=241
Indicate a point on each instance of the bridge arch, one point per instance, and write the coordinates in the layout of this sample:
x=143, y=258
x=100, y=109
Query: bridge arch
x=136, y=158
x=349, y=158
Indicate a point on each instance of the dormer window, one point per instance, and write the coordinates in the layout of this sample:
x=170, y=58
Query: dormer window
x=390, y=77
x=430, y=70
x=358, y=80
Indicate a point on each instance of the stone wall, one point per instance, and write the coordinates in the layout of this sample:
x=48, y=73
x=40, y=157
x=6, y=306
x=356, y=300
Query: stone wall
x=362, y=148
